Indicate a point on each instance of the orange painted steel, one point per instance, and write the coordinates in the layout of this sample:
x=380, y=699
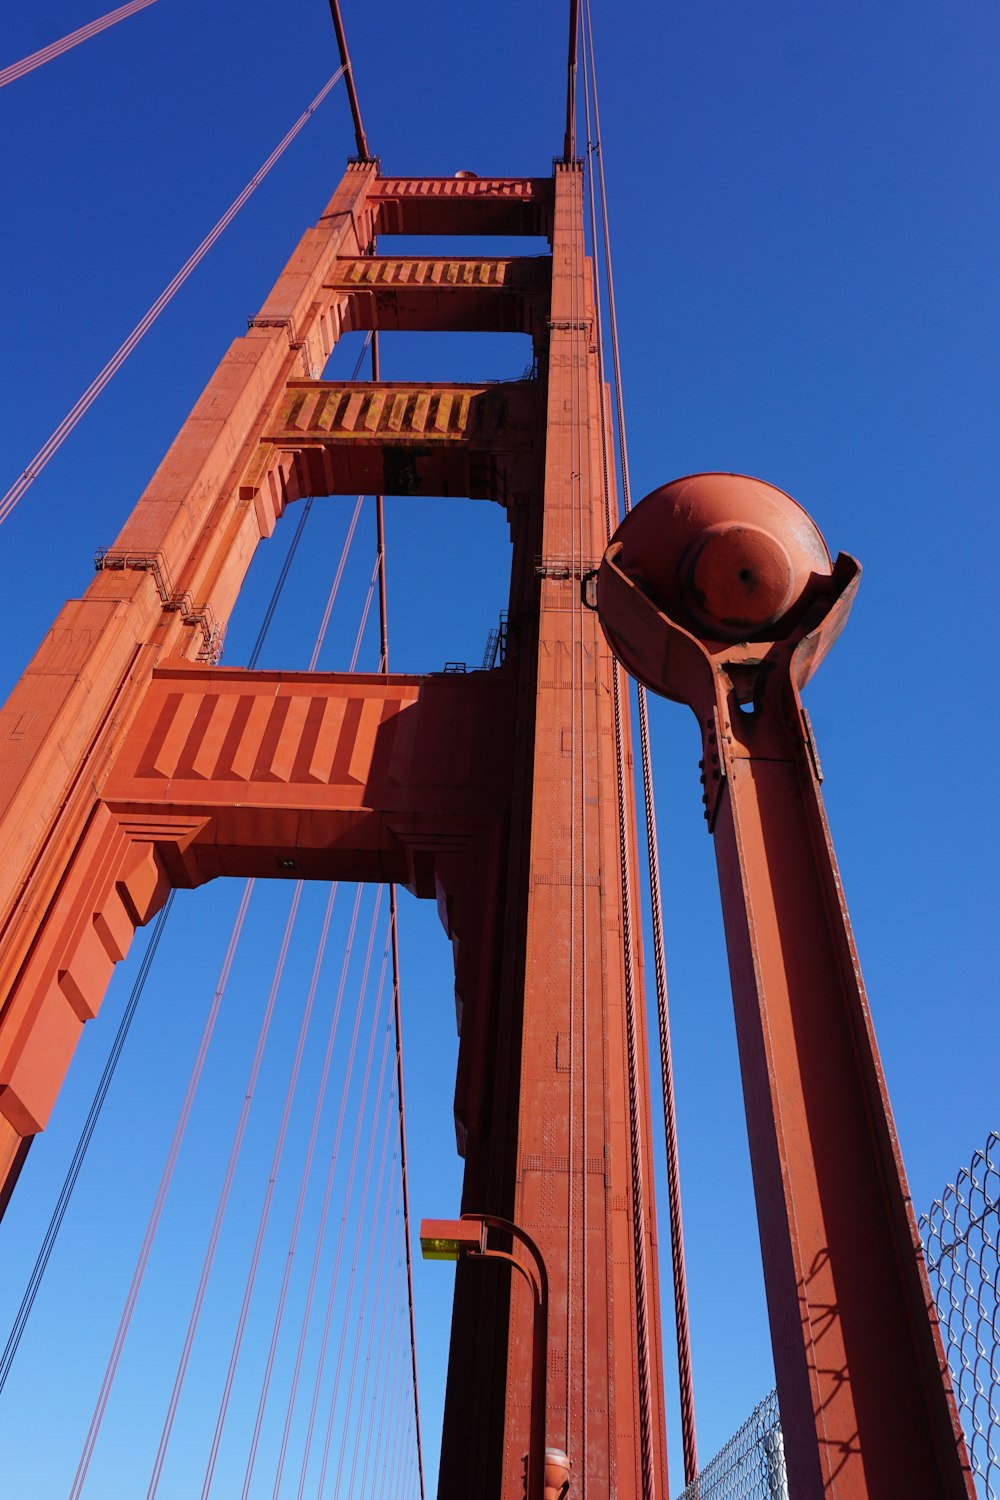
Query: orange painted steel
x=718, y=591
x=132, y=764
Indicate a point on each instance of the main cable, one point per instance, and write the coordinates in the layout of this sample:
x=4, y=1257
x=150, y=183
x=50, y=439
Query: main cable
x=124, y=1025
x=397, y=1014
x=72, y=39
x=55, y=441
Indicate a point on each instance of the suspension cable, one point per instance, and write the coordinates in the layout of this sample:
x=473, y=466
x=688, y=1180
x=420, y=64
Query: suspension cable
x=384, y=1381
x=304, y=1181
x=325, y=1207
x=265, y=1208
x=53, y=443
x=73, y=39
x=157, y=1209
x=128, y=1015
x=364, y=1295
x=279, y=1144
x=397, y=1015
x=685, y=1376
x=224, y=1192
x=632, y=1064
x=86, y=1135
x=354, y=1260
x=109, y=1069
x=396, y=1404
x=328, y=1314
x=388, y=1219
x=268, y=1196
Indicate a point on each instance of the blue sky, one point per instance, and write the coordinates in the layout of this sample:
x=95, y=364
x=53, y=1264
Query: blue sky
x=805, y=222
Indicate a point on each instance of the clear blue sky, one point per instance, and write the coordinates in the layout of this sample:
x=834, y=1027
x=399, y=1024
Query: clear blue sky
x=805, y=222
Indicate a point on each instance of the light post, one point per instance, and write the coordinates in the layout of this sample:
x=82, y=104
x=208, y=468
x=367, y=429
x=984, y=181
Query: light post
x=448, y=1239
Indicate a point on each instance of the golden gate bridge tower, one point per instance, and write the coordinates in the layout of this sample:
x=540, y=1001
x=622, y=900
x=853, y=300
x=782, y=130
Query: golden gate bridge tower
x=134, y=763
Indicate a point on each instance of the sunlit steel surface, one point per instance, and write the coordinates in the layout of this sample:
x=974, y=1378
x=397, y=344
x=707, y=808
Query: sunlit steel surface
x=718, y=591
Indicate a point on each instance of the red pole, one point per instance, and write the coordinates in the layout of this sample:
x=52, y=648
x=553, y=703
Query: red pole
x=718, y=592
x=569, y=146
x=352, y=93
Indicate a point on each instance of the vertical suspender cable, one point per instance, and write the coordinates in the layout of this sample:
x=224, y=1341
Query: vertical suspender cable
x=370, y=1238
x=306, y=1172
x=384, y=1381
x=396, y=1405
x=325, y=1207
x=224, y=1192
x=265, y=1210
x=157, y=1210
x=632, y=1049
x=279, y=1143
x=124, y=1025
x=86, y=1135
x=383, y=620
x=321, y=1357
x=388, y=1219
x=181, y=1127
x=685, y=1377
x=359, y=1227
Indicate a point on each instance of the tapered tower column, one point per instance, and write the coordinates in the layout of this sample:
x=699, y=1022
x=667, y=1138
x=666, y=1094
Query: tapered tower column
x=130, y=764
x=164, y=589
x=560, y=1156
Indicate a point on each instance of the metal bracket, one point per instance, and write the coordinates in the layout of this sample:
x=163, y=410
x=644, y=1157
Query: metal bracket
x=562, y=568
x=714, y=766
x=810, y=740
x=257, y=320
x=588, y=589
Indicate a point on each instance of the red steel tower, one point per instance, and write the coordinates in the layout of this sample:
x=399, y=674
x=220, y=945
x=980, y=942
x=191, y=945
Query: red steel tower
x=133, y=763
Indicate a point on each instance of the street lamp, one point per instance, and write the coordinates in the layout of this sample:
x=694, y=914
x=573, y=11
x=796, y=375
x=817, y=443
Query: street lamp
x=448, y=1239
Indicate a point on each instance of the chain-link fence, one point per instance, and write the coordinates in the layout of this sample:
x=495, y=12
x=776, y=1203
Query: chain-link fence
x=752, y=1464
x=961, y=1234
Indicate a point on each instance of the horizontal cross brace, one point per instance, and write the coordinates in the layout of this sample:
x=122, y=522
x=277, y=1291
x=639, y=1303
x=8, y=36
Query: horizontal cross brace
x=374, y=438
x=457, y=205
x=469, y=295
